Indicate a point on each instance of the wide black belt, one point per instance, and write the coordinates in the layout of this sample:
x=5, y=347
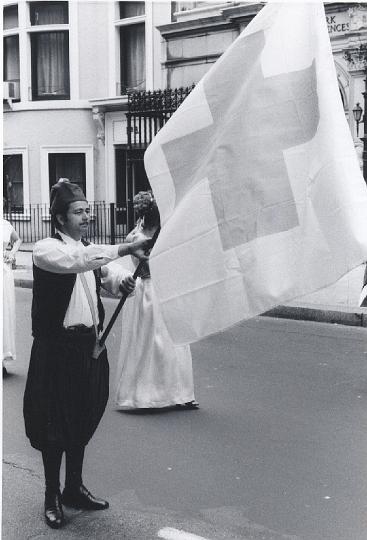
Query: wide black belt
x=79, y=329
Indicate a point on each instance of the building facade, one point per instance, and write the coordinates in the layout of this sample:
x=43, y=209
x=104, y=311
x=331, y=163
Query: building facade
x=87, y=84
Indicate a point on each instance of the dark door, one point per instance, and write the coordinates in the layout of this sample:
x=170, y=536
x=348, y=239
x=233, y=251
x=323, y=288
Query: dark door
x=130, y=179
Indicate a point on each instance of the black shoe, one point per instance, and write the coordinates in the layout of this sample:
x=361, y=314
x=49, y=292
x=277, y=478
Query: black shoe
x=189, y=405
x=81, y=498
x=53, y=510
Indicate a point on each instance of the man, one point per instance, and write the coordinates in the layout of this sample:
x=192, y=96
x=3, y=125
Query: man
x=67, y=390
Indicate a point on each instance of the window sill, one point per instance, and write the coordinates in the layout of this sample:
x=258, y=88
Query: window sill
x=131, y=20
x=51, y=97
x=50, y=104
x=18, y=217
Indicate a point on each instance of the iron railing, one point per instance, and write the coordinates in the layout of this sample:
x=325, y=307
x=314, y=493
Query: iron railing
x=149, y=111
x=108, y=223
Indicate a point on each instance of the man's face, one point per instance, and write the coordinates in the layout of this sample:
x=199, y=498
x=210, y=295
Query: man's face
x=77, y=220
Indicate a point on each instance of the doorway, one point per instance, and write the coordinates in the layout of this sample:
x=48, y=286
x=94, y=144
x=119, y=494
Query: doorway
x=130, y=179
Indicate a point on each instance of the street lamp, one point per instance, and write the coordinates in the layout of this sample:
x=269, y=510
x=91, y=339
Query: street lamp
x=357, y=113
x=357, y=61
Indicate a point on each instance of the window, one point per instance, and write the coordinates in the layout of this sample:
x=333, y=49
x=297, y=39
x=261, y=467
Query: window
x=71, y=166
x=50, y=65
x=50, y=51
x=131, y=9
x=75, y=162
x=11, y=68
x=10, y=17
x=13, y=182
x=181, y=7
x=40, y=51
x=130, y=179
x=132, y=49
x=132, y=46
x=49, y=13
x=187, y=5
x=11, y=58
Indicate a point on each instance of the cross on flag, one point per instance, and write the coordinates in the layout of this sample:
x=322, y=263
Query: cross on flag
x=256, y=179
x=258, y=184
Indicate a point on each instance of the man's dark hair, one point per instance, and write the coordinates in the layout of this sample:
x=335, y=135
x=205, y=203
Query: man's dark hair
x=55, y=223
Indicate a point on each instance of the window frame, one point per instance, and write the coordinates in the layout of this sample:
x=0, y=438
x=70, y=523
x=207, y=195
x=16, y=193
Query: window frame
x=32, y=4
x=33, y=64
x=144, y=81
x=10, y=6
x=52, y=168
x=45, y=29
x=6, y=36
x=86, y=149
x=25, y=30
x=13, y=32
x=134, y=16
x=128, y=22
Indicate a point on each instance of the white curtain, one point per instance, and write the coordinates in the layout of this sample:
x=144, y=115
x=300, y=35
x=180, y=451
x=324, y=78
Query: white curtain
x=52, y=63
x=133, y=57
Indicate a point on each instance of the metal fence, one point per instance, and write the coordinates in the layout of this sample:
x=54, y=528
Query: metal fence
x=108, y=223
x=148, y=111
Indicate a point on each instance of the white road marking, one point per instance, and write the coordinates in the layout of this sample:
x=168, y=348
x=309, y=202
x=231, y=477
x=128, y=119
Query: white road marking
x=168, y=533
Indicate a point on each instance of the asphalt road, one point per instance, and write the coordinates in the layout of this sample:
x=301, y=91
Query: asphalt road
x=278, y=449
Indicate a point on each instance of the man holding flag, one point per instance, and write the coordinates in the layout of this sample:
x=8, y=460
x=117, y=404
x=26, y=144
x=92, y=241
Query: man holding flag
x=257, y=180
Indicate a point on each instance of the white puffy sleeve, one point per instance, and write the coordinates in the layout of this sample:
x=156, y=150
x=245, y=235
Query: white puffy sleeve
x=54, y=256
x=113, y=274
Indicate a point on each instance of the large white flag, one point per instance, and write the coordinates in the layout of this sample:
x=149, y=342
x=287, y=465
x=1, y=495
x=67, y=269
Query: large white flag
x=256, y=179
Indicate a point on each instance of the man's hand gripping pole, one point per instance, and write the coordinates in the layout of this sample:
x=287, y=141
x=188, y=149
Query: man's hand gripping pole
x=99, y=347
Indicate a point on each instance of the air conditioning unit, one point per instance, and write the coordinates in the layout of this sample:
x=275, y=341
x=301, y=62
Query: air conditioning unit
x=11, y=90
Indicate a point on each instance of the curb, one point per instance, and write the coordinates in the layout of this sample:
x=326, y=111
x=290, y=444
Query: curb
x=343, y=316
x=26, y=283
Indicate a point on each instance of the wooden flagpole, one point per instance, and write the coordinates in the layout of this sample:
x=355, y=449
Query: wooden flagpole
x=102, y=340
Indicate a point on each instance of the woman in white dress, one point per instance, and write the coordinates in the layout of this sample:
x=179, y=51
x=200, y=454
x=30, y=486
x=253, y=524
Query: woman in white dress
x=152, y=372
x=10, y=238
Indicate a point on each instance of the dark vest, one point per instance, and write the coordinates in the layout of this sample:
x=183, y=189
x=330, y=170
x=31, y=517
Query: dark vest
x=51, y=298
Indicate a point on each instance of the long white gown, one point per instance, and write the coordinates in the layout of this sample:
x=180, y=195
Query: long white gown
x=8, y=300
x=152, y=372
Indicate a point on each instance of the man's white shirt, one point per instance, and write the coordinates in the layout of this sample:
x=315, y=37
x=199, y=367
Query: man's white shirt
x=72, y=257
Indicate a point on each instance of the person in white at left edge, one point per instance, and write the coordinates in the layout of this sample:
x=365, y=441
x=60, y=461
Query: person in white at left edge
x=67, y=390
x=10, y=237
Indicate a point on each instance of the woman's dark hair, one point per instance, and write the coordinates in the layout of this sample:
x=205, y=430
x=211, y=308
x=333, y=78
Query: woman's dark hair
x=146, y=207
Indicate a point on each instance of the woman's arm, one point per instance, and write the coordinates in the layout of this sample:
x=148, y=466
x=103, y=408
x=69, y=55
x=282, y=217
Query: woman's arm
x=15, y=241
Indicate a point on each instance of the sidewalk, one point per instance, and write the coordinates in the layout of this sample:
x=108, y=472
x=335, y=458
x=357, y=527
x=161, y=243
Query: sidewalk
x=337, y=303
